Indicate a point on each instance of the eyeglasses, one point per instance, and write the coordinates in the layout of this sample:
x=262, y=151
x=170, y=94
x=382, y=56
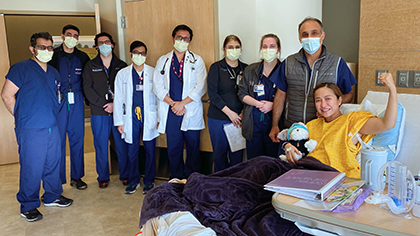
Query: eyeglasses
x=185, y=39
x=143, y=53
x=100, y=43
x=68, y=34
x=43, y=47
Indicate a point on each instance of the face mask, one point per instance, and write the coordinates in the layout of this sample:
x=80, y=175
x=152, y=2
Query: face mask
x=138, y=59
x=105, y=49
x=70, y=42
x=44, y=55
x=181, y=46
x=233, y=54
x=269, y=54
x=311, y=45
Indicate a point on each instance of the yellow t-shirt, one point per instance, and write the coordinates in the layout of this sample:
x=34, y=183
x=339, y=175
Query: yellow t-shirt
x=335, y=146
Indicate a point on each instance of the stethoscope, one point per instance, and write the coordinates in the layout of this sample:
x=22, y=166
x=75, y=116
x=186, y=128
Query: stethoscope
x=162, y=72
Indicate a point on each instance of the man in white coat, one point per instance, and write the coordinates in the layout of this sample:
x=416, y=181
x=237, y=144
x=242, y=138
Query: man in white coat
x=179, y=82
x=135, y=115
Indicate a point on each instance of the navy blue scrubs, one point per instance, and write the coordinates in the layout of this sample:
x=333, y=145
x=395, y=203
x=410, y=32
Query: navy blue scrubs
x=175, y=138
x=137, y=132
x=261, y=143
x=102, y=125
x=37, y=135
x=71, y=116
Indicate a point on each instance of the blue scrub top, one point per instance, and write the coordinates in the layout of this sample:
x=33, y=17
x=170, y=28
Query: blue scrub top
x=137, y=96
x=269, y=92
x=70, y=73
x=175, y=84
x=36, y=100
x=269, y=86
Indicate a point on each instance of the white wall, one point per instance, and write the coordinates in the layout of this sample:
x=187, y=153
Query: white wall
x=48, y=5
x=251, y=19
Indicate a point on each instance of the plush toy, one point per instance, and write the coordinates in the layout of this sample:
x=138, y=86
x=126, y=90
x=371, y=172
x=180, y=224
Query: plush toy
x=298, y=136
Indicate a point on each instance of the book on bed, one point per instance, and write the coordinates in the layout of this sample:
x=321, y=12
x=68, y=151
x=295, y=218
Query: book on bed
x=307, y=184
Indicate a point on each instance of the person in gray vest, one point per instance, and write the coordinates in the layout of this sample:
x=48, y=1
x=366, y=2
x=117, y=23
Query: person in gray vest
x=301, y=72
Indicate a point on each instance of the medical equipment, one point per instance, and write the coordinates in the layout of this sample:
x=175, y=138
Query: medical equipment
x=372, y=159
x=416, y=207
x=162, y=72
x=401, y=188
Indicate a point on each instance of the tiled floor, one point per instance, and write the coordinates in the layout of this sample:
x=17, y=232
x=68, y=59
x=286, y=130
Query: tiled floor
x=95, y=211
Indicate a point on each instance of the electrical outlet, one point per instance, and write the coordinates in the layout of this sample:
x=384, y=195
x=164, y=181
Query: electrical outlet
x=378, y=73
x=402, y=78
x=416, y=79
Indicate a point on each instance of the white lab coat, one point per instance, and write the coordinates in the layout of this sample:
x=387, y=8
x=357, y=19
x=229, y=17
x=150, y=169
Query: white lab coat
x=194, y=86
x=124, y=95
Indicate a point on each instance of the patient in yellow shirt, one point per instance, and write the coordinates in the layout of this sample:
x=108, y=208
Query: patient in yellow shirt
x=335, y=132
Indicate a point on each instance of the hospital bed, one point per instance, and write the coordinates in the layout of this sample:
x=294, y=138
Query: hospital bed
x=233, y=202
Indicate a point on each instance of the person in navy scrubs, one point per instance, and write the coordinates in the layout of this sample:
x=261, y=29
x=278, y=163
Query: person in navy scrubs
x=256, y=91
x=225, y=106
x=98, y=86
x=32, y=95
x=179, y=82
x=135, y=115
x=69, y=61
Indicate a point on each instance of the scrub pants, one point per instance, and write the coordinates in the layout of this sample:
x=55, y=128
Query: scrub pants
x=221, y=148
x=71, y=121
x=39, y=157
x=133, y=157
x=175, y=139
x=101, y=128
x=261, y=143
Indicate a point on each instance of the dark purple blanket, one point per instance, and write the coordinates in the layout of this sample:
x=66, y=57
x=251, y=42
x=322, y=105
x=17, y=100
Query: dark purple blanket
x=232, y=201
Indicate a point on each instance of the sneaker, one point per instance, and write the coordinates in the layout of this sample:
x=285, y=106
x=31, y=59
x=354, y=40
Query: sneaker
x=32, y=215
x=148, y=187
x=78, y=183
x=132, y=187
x=60, y=202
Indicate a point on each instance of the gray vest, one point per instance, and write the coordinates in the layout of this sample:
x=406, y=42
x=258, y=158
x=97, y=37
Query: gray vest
x=300, y=104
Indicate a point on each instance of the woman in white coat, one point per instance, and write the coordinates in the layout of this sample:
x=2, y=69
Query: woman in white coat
x=135, y=114
x=179, y=83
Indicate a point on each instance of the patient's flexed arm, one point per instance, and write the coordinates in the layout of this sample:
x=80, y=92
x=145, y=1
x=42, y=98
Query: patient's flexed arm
x=379, y=125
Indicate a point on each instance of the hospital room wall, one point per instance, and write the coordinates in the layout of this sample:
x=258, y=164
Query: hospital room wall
x=251, y=19
x=389, y=40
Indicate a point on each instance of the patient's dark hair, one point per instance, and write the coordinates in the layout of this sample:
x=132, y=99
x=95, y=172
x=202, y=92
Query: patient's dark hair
x=331, y=86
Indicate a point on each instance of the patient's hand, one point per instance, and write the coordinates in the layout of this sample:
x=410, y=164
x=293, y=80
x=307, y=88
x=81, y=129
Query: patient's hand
x=292, y=153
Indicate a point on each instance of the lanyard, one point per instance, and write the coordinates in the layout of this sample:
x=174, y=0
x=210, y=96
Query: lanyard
x=180, y=68
x=141, y=77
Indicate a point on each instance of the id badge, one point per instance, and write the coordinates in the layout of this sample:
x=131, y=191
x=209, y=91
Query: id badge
x=259, y=89
x=238, y=79
x=139, y=87
x=70, y=97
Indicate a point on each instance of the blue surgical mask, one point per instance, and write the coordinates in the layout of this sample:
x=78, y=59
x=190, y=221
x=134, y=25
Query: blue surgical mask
x=311, y=45
x=105, y=49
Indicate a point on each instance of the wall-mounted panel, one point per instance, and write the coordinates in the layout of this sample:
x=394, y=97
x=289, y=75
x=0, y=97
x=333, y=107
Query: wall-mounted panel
x=391, y=61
